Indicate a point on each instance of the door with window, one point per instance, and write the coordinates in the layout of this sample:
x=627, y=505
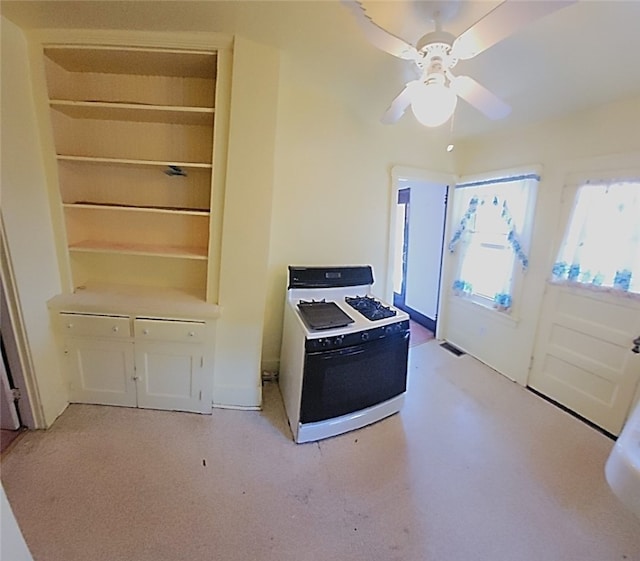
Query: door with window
x=587, y=352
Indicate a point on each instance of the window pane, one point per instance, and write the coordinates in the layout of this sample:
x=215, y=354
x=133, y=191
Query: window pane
x=602, y=243
x=488, y=268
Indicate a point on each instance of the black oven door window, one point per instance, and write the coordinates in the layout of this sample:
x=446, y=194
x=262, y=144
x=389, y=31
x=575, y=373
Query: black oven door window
x=343, y=381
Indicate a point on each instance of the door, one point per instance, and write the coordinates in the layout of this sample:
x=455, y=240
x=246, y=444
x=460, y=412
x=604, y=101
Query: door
x=583, y=357
x=587, y=355
x=420, y=225
x=11, y=374
x=169, y=376
x=8, y=413
x=170, y=364
x=101, y=371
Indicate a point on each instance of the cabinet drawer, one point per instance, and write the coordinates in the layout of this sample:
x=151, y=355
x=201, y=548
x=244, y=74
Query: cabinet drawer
x=80, y=325
x=176, y=331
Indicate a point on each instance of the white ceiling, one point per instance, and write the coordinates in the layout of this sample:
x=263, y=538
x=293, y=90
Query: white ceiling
x=581, y=56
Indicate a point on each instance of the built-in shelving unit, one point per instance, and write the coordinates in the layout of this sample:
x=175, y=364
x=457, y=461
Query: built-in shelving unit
x=133, y=131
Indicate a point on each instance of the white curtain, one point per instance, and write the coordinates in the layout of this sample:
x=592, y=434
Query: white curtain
x=488, y=237
x=601, y=247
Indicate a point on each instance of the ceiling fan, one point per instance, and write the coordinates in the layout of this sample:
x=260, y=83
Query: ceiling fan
x=434, y=94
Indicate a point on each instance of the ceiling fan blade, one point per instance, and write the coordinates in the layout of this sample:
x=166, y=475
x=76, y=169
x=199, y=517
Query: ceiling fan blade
x=504, y=20
x=398, y=106
x=480, y=97
x=378, y=36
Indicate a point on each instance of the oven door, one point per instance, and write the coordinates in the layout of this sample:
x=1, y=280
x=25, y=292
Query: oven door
x=342, y=381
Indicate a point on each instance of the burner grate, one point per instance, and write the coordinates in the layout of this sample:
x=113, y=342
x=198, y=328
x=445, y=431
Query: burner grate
x=370, y=308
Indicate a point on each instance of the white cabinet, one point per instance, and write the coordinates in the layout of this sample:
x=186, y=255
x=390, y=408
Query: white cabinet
x=101, y=371
x=168, y=376
x=172, y=331
x=99, y=358
x=135, y=362
x=168, y=370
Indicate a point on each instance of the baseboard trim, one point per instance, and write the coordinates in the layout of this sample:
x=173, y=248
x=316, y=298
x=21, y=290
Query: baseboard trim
x=237, y=398
x=237, y=407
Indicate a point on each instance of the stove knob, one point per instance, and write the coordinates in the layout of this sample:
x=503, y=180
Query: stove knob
x=325, y=342
x=339, y=339
x=364, y=336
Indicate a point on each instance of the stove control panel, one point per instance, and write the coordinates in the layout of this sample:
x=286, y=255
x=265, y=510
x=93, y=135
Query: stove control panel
x=357, y=338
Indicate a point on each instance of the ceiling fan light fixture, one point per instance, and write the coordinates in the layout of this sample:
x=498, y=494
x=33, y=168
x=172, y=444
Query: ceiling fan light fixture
x=433, y=104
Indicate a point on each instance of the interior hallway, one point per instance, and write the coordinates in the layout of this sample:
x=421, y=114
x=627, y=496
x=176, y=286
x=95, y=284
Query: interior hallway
x=474, y=468
x=419, y=334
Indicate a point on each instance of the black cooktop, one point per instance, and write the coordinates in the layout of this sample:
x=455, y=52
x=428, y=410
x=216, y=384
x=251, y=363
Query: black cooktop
x=323, y=315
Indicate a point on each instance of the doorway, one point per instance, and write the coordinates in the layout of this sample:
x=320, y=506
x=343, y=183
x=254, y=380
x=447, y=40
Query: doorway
x=10, y=424
x=10, y=421
x=419, y=214
x=18, y=387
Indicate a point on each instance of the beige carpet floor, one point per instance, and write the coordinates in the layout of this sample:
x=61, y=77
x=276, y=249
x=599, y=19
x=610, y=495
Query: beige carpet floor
x=7, y=438
x=474, y=468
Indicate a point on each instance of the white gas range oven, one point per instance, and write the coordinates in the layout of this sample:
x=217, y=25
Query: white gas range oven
x=343, y=363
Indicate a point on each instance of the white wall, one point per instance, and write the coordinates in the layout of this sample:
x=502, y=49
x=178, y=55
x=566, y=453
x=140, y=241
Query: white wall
x=332, y=193
x=25, y=211
x=246, y=223
x=606, y=137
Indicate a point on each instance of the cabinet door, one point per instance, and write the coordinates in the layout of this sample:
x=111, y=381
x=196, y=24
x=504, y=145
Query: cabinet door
x=169, y=376
x=101, y=371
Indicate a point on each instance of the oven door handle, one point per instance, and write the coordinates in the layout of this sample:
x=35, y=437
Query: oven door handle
x=337, y=353
x=351, y=351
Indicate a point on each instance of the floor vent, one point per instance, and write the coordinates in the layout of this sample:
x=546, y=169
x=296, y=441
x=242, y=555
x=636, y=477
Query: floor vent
x=449, y=347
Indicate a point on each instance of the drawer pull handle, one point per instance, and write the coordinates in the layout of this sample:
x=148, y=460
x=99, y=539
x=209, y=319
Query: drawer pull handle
x=115, y=329
x=145, y=332
x=69, y=325
x=191, y=334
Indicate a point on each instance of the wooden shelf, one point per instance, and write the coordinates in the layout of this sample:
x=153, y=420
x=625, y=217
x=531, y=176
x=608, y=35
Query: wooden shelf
x=131, y=208
x=111, y=111
x=133, y=61
x=128, y=162
x=94, y=246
